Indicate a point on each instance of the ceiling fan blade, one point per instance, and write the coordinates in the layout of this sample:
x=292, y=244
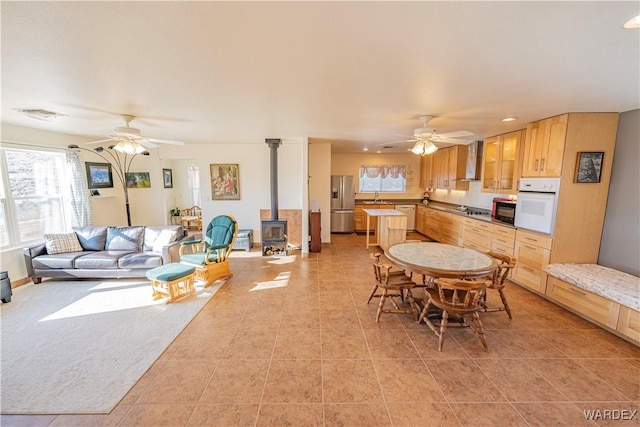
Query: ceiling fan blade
x=101, y=141
x=165, y=141
x=459, y=141
x=458, y=134
x=146, y=143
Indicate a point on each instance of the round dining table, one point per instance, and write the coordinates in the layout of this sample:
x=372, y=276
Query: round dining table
x=435, y=260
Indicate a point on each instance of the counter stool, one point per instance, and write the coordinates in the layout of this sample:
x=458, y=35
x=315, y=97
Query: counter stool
x=173, y=280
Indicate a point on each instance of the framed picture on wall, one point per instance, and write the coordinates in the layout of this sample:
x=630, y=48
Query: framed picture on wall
x=167, y=178
x=589, y=166
x=138, y=180
x=225, y=182
x=99, y=175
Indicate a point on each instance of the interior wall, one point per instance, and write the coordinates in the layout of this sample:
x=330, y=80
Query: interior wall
x=349, y=164
x=253, y=161
x=620, y=244
x=320, y=184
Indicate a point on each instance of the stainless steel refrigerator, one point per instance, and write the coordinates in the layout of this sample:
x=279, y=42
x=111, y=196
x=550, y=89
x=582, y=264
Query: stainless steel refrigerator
x=342, y=202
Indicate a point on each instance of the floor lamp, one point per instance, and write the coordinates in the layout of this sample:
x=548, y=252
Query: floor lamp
x=120, y=159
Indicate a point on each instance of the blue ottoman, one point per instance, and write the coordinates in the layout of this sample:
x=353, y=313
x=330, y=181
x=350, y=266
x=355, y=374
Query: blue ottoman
x=172, y=280
x=244, y=240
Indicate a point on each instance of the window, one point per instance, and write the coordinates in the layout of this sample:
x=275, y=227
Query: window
x=32, y=196
x=193, y=173
x=383, y=179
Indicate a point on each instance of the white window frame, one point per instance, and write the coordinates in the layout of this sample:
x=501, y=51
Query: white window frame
x=8, y=200
x=381, y=187
x=193, y=174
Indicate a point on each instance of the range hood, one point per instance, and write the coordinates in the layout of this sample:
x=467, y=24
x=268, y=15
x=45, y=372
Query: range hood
x=474, y=161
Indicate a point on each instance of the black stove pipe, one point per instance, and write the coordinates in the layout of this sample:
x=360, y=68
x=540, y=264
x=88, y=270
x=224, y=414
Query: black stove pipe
x=273, y=145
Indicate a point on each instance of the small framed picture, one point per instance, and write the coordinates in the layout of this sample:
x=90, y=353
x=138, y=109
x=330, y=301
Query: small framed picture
x=589, y=166
x=225, y=181
x=167, y=178
x=99, y=175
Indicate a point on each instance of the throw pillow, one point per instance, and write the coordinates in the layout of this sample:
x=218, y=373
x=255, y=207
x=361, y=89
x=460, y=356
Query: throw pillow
x=124, y=239
x=62, y=243
x=92, y=238
x=164, y=238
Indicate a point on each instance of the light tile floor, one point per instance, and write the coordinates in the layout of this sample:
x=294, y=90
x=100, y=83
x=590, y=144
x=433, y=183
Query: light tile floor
x=291, y=341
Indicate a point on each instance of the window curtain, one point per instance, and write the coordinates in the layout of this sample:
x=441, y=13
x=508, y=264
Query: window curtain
x=78, y=190
x=395, y=171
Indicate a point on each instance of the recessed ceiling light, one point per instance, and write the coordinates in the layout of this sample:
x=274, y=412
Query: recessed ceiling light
x=509, y=119
x=378, y=151
x=365, y=149
x=633, y=22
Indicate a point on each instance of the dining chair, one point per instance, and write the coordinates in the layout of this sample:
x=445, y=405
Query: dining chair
x=393, y=274
x=458, y=297
x=191, y=218
x=393, y=284
x=506, y=263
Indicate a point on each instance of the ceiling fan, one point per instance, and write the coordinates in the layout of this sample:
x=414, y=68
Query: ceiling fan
x=129, y=140
x=424, y=138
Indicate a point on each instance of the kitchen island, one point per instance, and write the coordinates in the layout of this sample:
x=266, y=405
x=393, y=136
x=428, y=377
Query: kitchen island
x=391, y=227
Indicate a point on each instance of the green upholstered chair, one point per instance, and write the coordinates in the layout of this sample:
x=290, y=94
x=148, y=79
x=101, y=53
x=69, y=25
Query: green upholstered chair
x=210, y=255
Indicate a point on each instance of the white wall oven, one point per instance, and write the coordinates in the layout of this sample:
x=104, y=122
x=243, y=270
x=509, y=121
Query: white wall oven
x=537, y=204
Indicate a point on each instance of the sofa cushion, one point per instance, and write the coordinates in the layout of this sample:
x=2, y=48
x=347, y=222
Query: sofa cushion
x=100, y=259
x=65, y=260
x=140, y=260
x=124, y=239
x=158, y=236
x=92, y=238
x=62, y=243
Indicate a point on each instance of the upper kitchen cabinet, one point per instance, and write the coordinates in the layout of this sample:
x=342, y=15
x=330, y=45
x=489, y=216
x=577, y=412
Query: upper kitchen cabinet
x=502, y=161
x=544, y=147
x=426, y=171
x=449, y=168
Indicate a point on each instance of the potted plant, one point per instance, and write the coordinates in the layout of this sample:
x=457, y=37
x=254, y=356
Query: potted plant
x=175, y=211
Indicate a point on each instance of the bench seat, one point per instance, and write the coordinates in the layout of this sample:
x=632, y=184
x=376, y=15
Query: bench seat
x=606, y=282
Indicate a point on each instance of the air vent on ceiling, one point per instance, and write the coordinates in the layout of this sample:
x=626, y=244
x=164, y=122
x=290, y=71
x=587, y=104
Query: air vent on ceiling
x=40, y=114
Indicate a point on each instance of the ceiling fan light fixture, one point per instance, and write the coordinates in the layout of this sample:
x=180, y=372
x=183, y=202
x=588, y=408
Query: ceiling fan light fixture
x=129, y=147
x=422, y=148
x=633, y=23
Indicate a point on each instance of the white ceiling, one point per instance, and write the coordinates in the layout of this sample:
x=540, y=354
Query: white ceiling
x=356, y=73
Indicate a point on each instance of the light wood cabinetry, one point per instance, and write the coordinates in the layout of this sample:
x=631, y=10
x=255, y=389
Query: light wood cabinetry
x=502, y=162
x=532, y=252
x=360, y=218
x=426, y=171
x=544, y=147
x=629, y=323
x=420, y=219
x=432, y=224
x=449, y=168
x=503, y=239
x=477, y=234
x=593, y=306
x=451, y=229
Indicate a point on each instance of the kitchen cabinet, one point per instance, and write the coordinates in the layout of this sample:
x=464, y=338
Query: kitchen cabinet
x=426, y=171
x=477, y=234
x=532, y=252
x=432, y=224
x=420, y=219
x=450, y=228
x=544, y=147
x=449, y=168
x=360, y=218
x=503, y=239
x=502, y=162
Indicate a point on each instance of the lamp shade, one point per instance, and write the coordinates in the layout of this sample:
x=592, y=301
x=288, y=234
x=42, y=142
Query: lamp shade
x=424, y=147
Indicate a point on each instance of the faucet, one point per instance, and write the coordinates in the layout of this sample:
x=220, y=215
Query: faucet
x=375, y=197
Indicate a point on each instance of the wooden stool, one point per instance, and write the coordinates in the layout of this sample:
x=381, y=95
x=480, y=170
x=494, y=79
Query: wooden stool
x=173, y=280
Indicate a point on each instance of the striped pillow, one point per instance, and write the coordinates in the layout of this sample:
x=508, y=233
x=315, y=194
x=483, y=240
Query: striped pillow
x=62, y=243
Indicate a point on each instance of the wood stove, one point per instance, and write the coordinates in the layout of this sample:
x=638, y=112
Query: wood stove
x=274, y=237
x=274, y=231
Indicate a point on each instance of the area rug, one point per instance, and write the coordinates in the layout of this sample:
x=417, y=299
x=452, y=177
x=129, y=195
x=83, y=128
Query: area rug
x=79, y=346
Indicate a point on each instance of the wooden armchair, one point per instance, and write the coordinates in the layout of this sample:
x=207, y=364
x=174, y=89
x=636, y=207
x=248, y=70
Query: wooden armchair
x=210, y=255
x=191, y=218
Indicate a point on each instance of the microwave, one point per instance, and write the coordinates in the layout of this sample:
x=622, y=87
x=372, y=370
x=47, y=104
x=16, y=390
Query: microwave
x=504, y=210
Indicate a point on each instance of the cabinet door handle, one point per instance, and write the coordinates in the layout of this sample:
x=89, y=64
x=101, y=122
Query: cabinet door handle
x=532, y=239
x=575, y=291
x=530, y=247
x=541, y=165
x=536, y=167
